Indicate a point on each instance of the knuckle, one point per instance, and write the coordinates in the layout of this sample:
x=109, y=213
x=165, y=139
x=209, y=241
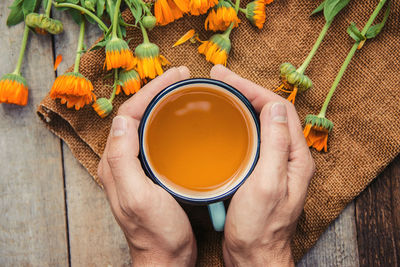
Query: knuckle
x=134, y=204
x=123, y=109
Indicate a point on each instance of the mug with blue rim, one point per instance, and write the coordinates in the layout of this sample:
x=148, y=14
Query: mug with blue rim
x=212, y=198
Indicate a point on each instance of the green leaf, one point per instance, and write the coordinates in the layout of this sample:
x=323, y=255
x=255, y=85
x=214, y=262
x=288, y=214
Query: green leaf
x=319, y=8
x=355, y=33
x=16, y=14
x=29, y=6
x=373, y=31
x=333, y=7
x=99, y=45
x=110, y=9
x=76, y=15
x=100, y=5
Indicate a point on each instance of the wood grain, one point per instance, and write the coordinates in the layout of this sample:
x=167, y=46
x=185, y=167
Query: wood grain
x=378, y=219
x=338, y=245
x=32, y=208
x=94, y=236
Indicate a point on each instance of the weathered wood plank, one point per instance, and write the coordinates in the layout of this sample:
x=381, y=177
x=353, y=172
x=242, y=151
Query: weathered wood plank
x=95, y=238
x=378, y=219
x=338, y=245
x=32, y=208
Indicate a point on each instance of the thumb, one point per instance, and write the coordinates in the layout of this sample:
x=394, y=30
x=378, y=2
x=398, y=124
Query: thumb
x=275, y=145
x=122, y=156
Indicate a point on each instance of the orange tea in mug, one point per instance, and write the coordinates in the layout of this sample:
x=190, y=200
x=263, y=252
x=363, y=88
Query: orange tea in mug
x=199, y=140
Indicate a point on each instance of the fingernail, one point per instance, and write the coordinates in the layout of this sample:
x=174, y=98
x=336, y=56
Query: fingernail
x=119, y=126
x=278, y=112
x=184, y=71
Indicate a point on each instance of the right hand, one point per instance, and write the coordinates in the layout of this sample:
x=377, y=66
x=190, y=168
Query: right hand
x=263, y=213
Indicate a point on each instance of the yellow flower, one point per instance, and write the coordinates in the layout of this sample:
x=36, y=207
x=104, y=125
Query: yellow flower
x=103, y=107
x=74, y=89
x=118, y=55
x=13, y=89
x=293, y=81
x=316, y=132
x=148, y=60
x=255, y=13
x=217, y=48
x=166, y=11
x=198, y=7
x=130, y=82
x=221, y=16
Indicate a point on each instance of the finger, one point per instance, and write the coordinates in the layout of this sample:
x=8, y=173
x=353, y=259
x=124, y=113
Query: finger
x=136, y=105
x=129, y=178
x=272, y=165
x=259, y=97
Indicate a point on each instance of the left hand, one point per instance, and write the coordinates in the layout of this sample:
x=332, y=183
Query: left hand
x=156, y=227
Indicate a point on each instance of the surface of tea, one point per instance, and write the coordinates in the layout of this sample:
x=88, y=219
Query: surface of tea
x=198, y=138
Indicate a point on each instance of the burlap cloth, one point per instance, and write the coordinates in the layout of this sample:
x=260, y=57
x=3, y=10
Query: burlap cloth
x=365, y=107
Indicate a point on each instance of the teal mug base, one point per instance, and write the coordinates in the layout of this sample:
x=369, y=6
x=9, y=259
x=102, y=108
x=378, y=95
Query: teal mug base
x=217, y=215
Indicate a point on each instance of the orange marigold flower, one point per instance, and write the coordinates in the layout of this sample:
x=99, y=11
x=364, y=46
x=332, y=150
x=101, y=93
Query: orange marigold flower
x=255, y=13
x=220, y=17
x=267, y=2
x=216, y=49
x=118, y=55
x=13, y=89
x=103, y=107
x=166, y=11
x=130, y=82
x=148, y=60
x=316, y=132
x=198, y=7
x=74, y=89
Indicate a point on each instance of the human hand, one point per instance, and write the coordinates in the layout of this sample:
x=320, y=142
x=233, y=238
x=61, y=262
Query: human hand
x=156, y=228
x=263, y=213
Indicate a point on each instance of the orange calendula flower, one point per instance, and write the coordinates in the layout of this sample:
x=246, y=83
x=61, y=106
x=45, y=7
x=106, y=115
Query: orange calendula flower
x=118, y=55
x=198, y=7
x=103, y=107
x=13, y=89
x=293, y=81
x=216, y=49
x=129, y=81
x=166, y=11
x=255, y=13
x=74, y=89
x=148, y=60
x=267, y=2
x=221, y=16
x=316, y=132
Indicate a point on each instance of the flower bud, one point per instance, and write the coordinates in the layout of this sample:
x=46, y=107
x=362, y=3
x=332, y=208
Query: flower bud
x=43, y=24
x=103, y=107
x=149, y=22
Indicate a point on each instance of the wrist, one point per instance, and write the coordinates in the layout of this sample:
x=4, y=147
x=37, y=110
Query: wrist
x=278, y=254
x=185, y=256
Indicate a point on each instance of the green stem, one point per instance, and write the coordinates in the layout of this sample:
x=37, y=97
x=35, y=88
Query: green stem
x=243, y=10
x=80, y=45
x=144, y=33
x=237, y=6
x=48, y=8
x=22, y=51
x=228, y=31
x=115, y=85
x=87, y=12
x=115, y=19
x=321, y=37
x=348, y=59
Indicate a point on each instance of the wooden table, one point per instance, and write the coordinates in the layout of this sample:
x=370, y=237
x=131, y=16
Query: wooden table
x=53, y=214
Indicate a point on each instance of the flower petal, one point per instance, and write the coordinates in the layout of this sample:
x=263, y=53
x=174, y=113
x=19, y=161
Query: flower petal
x=185, y=37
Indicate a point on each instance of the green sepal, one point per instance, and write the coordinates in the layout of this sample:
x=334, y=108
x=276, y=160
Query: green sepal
x=355, y=33
x=16, y=14
x=116, y=44
x=222, y=41
x=373, y=31
x=127, y=75
x=14, y=77
x=147, y=50
x=289, y=73
x=319, y=122
x=105, y=105
x=333, y=7
x=286, y=68
x=319, y=8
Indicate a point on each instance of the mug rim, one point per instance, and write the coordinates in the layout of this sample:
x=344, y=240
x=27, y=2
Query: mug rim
x=160, y=96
